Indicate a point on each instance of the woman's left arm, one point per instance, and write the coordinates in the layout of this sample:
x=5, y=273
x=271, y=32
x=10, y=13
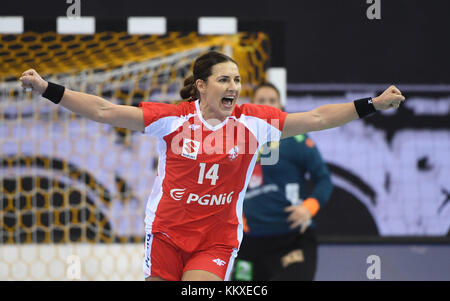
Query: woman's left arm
x=334, y=115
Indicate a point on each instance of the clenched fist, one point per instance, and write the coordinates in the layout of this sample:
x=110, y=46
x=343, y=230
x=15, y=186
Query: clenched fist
x=31, y=79
x=390, y=98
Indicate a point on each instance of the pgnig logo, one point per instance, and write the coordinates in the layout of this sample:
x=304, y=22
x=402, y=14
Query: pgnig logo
x=208, y=199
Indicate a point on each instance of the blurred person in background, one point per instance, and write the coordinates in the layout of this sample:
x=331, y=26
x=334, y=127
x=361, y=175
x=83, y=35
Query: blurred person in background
x=279, y=238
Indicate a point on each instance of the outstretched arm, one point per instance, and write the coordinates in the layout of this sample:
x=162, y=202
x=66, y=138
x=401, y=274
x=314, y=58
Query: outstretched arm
x=334, y=115
x=89, y=106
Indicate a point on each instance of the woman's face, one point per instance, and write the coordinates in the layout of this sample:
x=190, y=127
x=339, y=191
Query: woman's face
x=267, y=96
x=219, y=94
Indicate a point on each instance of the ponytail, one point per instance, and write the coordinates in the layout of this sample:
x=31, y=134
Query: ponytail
x=189, y=91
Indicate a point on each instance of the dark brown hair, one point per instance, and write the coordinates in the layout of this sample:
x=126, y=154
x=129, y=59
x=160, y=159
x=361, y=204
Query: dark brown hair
x=202, y=70
x=269, y=85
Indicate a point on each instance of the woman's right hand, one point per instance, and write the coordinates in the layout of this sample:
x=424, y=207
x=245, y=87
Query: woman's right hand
x=31, y=79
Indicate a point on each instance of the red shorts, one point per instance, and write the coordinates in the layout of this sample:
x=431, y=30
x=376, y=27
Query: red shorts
x=165, y=260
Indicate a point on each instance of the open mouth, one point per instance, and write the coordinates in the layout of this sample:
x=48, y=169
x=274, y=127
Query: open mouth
x=228, y=101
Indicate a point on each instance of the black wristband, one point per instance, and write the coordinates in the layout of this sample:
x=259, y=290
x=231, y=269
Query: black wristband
x=54, y=92
x=364, y=107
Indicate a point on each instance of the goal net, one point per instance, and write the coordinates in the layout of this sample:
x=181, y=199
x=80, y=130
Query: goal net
x=73, y=191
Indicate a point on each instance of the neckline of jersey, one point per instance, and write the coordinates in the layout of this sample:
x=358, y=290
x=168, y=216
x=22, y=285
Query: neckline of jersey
x=200, y=116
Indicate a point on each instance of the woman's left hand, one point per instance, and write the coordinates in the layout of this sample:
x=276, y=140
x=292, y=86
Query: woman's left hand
x=390, y=98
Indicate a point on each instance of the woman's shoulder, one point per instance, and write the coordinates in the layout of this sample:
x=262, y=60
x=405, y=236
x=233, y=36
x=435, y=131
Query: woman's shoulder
x=260, y=111
x=154, y=111
x=169, y=108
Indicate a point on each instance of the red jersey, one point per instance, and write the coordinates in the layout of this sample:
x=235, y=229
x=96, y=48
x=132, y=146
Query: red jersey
x=203, y=171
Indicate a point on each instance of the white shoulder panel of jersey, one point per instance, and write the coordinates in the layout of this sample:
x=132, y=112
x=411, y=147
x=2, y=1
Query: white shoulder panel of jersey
x=166, y=125
x=261, y=128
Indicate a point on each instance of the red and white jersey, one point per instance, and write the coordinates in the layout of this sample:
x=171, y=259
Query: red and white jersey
x=203, y=171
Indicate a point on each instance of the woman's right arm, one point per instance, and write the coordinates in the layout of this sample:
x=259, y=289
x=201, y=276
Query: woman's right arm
x=90, y=106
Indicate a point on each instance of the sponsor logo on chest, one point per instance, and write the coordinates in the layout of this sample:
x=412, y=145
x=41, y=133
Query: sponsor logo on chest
x=207, y=199
x=190, y=148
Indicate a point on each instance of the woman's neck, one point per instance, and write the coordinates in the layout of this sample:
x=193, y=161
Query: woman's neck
x=209, y=115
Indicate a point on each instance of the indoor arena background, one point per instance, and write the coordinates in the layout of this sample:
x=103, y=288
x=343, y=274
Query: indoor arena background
x=73, y=192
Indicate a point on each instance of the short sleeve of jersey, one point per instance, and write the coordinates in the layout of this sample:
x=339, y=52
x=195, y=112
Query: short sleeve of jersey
x=266, y=121
x=273, y=116
x=156, y=110
x=158, y=116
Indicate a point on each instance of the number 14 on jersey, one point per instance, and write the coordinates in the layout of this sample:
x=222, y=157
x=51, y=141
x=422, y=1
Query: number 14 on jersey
x=211, y=174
